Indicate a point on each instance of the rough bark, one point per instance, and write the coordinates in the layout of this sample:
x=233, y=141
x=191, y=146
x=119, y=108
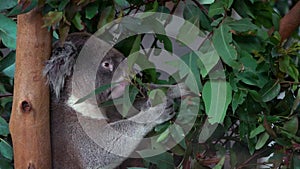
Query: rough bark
x=29, y=123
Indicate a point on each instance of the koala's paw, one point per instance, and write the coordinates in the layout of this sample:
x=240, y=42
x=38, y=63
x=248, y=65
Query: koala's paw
x=167, y=112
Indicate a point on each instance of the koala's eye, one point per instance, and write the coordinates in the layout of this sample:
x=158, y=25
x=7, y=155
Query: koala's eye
x=107, y=65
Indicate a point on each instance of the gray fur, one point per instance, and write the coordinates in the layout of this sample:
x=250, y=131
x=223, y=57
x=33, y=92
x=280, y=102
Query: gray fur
x=60, y=66
x=72, y=146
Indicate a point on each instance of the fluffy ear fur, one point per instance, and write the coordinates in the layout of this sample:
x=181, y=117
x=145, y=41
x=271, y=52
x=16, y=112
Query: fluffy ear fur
x=60, y=66
x=63, y=58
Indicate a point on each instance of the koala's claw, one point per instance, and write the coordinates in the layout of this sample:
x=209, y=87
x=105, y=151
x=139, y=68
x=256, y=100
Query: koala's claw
x=167, y=114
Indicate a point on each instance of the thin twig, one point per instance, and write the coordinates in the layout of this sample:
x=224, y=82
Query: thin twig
x=200, y=6
x=6, y=95
x=166, y=23
x=251, y=158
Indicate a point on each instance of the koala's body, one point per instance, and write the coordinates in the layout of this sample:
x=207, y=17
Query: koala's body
x=72, y=147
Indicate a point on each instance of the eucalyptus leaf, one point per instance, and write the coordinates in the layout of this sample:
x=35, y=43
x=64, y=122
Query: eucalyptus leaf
x=4, y=130
x=222, y=39
x=188, y=32
x=91, y=10
x=262, y=140
x=206, y=1
x=77, y=21
x=7, y=4
x=122, y=3
x=270, y=91
x=217, y=95
x=107, y=15
x=128, y=99
x=190, y=68
x=238, y=98
x=6, y=150
x=163, y=136
x=207, y=61
x=177, y=132
x=163, y=160
x=166, y=41
x=218, y=7
x=243, y=25
x=23, y=7
x=292, y=125
x=8, y=31
x=5, y=164
x=95, y=92
x=220, y=163
x=7, y=61
x=257, y=131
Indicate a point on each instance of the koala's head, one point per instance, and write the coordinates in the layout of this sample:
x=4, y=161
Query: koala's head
x=112, y=70
x=59, y=68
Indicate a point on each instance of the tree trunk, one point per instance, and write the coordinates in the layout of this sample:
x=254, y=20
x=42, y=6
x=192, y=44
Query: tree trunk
x=29, y=123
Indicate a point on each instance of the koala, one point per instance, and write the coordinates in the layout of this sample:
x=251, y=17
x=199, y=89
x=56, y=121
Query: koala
x=72, y=146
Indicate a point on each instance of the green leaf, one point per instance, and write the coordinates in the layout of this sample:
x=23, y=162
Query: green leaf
x=262, y=140
x=292, y=125
x=128, y=98
x=4, y=130
x=207, y=131
x=220, y=163
x=5, y=164
x=248, y=61
x=206, y=1
x=252, y=78
x=216, y=8
x=163, y=136
x=243, y=25
x=257, y=131
x=77, y=21
x=190, y=68
x=8, y=31
x=107, y=15
x=238, y=98
x=194, y=15
x=7, y=4
x=135, y=48
x=155, y=7
x=7, y=61
x=222, y=40
x=286, y=65
x=191, y=12
x=188, y=32
x=270, y=91
x=5, y=149
x=62, y=5
x=95, y=92
x=122, y=3
x=52, y=18
x=177, y=133
x=296, y=161
x=207, y=61
x=91, y=10
x=243, y=9
x=163, y=160
x=166, y=41
x=23, y=7
x=157, y=96
x=216, y=96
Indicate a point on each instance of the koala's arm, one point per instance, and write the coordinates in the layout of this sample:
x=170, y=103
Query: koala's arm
x=72, y=146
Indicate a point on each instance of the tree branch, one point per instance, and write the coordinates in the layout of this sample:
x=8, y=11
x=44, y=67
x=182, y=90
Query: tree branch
x=290, y=22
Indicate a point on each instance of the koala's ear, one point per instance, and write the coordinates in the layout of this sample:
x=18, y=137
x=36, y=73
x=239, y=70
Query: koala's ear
x=60, y=65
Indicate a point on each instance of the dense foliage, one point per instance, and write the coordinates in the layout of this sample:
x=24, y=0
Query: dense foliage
x=261, y=94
